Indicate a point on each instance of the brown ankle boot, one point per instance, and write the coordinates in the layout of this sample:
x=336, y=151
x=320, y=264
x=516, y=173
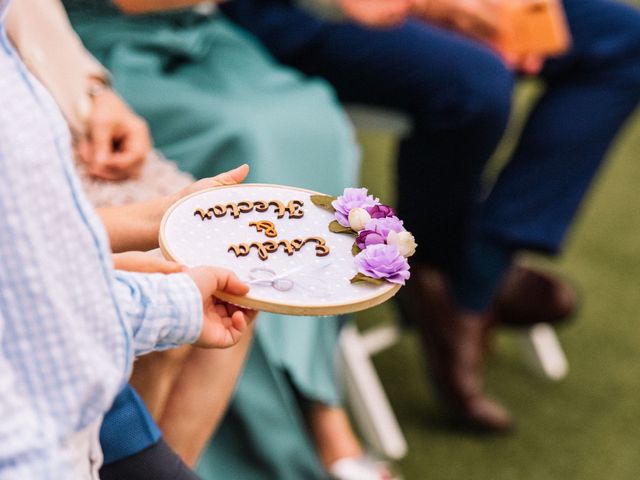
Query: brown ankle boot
x=454, y=343
x=528, y=296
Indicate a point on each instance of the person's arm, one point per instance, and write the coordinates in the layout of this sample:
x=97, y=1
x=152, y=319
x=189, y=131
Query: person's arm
x=111, y=139
x=165, y=311
x=136, y=226
x=53, y=52
x=145, y=262
x=376, y=13
x=149, y=6
x=481, y=20
x=28, y=444
x=478, y=19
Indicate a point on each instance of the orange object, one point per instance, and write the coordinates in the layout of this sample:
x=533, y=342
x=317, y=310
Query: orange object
x=533, y=27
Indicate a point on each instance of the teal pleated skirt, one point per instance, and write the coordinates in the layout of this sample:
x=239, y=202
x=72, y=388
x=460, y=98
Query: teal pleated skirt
x=215, y=99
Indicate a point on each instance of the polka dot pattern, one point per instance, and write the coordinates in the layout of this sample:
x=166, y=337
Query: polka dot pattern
x=302, y=279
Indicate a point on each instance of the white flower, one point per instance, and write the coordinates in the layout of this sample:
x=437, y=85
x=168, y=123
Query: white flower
x=358, y=218
x=403, y=241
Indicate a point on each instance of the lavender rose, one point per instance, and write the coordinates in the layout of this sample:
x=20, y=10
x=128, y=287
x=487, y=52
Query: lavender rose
x=381, y=211
x=352, y=198
x=383, y=261
x=368, y=237
x=385, y=225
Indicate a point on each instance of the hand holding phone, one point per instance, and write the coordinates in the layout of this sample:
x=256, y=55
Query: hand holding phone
x=532, y=28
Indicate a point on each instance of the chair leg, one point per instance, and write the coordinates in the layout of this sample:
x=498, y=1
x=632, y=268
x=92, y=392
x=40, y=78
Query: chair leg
x=543, y=351
x=366, y=397
x=379, y=338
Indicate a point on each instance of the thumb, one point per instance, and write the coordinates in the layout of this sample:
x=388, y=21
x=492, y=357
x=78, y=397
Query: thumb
x=212, y=279
x=232, y=177
x=228, y=282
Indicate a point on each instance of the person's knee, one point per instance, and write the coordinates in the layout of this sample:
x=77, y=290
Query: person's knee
x=477, y=95
x=632, y=60
x=316, y=133
x=620, y=66
x=607, y=49
x=487, y=94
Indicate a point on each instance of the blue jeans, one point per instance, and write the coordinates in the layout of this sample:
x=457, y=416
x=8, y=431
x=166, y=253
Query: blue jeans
x=458, y=95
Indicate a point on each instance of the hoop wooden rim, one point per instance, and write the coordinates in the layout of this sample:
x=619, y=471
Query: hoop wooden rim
x=278, y=307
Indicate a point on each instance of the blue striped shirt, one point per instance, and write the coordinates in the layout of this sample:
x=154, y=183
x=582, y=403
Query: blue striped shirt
x=69, y=324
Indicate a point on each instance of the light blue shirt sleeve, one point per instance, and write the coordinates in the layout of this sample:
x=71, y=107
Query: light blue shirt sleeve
x=164, y=311
x=28, y=447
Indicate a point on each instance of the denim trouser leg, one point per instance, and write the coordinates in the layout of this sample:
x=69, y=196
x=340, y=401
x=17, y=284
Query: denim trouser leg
x=589, y=94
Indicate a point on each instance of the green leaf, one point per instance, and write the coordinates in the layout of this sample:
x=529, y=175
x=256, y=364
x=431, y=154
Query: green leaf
x=323, y=201
x=363, y=278
x=335, y=227
x=355, y=249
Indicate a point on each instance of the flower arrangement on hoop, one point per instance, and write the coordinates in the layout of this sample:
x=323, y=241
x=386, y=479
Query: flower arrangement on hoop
x=382, y=244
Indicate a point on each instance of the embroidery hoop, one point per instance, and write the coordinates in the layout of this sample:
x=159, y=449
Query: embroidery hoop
x=372, y=295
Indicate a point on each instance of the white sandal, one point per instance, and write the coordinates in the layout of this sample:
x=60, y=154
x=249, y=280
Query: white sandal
x=361, y=468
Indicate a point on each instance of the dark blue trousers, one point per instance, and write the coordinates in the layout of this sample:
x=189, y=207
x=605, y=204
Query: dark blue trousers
x=132, y=444
x=127, y=428
x=458, y=95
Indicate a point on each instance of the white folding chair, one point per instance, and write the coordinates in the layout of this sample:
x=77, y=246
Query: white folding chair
x=366, y=397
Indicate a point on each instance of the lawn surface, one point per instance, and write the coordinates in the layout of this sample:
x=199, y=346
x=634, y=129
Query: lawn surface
x=586, y=427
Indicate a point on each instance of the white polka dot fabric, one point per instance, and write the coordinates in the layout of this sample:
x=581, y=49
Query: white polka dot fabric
x=301, y=279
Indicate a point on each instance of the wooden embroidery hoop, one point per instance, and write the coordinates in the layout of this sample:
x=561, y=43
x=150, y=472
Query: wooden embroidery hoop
x=379, y=294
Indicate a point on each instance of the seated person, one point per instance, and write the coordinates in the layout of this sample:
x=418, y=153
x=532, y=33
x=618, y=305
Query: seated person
x=439, y=67
x=70, y=324
x=213, y=98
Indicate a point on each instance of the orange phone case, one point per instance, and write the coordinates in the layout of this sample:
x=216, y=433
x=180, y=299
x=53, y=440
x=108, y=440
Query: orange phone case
x=537, y=27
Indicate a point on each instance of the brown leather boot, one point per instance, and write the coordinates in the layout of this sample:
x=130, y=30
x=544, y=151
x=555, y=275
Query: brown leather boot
x=453, y=343
x=528, y=296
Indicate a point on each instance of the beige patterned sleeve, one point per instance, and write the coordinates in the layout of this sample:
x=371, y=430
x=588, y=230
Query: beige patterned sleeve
x=42, y=34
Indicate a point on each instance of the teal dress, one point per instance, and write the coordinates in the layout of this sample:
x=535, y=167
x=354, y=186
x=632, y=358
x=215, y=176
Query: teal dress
x=215, y=99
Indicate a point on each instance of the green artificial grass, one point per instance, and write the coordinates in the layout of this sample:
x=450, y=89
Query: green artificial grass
x=586, y=427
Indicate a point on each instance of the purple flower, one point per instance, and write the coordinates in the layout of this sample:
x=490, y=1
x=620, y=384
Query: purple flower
x=352, y=198
x=381, y=211
x=383, y=261
x=385, y=225
x=368, y=237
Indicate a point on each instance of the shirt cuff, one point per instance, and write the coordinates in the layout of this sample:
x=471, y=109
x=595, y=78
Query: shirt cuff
x=184, y=308
x=163, y=311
